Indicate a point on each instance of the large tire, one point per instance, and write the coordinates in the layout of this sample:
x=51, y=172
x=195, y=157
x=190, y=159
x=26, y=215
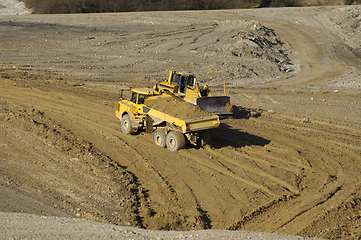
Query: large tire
x=175, y=140
x=126, y=125
x=159, y=139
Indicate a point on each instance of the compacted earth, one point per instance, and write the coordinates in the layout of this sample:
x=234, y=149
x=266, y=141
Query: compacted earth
x=287, y=162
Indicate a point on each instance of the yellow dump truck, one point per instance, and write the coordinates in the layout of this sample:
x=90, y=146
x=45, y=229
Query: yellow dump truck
x=185, y=85
x=171, y=120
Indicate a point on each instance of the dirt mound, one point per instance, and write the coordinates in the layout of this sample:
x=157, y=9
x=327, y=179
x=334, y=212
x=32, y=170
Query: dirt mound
x=253, y=51
x=180, y=109
x=347, y=20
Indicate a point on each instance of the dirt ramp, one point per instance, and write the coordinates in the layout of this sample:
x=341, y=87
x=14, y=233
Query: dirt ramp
x=48, y=161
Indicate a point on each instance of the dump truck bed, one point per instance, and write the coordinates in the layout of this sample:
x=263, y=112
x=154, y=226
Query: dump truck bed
x=177, y=113
x=185, y=126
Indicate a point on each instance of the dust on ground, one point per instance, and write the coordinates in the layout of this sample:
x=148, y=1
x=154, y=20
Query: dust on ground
x=287, y=161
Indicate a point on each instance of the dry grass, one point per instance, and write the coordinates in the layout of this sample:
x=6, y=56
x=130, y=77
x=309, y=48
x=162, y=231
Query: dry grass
x=98, y=6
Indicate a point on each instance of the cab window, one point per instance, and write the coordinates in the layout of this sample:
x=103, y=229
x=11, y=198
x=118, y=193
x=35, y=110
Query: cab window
x=190, y=81
x=178, y=79
x=134, y=97
x=175, y=79
x=141, y=98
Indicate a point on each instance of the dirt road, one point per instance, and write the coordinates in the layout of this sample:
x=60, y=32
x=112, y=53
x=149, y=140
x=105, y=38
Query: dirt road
x=288, y=161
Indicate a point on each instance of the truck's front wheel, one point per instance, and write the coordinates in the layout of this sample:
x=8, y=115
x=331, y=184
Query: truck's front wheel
x=175, y=140
x=127, y=125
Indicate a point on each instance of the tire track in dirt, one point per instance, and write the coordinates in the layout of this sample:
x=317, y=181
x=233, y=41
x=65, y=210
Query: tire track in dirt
x=251, y=169
x=217, y=167
x=165, y=192
x=156, y=39
x=305, y=140
x=172, y=198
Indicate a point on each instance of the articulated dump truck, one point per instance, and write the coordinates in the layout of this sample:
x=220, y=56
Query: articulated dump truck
x=172, y=120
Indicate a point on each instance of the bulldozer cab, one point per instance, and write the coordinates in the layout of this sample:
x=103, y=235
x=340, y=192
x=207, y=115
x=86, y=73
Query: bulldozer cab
x=182, y=80
x=184, y=85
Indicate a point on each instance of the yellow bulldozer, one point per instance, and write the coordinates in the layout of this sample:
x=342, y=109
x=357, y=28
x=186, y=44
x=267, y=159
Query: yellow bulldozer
x=185, y=86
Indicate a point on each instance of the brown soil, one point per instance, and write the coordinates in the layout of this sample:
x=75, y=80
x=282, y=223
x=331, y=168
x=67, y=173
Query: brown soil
x=180, y=109
x=288, y=161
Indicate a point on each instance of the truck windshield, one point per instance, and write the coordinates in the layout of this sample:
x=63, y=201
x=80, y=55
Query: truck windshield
x=141, y=98
x=134, y=97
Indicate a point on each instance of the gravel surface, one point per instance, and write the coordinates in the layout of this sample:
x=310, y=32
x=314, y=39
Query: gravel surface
x=29, y=226
x=13, y=7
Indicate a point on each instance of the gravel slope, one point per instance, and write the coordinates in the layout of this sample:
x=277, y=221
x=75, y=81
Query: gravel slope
x=28, y=226
x=13, y=7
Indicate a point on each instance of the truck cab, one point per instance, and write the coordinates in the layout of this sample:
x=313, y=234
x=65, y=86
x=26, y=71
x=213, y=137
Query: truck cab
x=130, y=108
x=138, y=95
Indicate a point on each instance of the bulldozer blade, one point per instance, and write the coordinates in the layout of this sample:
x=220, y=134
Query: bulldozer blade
x=219, y=105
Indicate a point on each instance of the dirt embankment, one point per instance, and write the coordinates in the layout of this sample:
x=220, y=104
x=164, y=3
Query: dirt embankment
x=288, y=161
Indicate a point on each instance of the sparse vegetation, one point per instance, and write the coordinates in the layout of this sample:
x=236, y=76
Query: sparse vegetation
x=97, y=6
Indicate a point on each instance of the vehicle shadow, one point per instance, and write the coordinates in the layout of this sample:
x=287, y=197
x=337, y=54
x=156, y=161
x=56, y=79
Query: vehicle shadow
x=226, y=135
x=243, y=113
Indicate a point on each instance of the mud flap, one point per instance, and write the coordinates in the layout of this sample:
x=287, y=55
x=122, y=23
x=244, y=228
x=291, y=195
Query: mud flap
x=204, y=139
x=148, y=124
x=219, y=105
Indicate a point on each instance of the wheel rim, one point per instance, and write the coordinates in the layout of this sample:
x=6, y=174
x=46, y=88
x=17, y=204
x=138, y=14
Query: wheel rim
x=126, y=124
x=172, y=142
x=158, y=140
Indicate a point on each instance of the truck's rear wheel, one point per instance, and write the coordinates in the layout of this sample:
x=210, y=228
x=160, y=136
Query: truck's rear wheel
x=175, y=140
x=127, y=125
x=158, y=138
